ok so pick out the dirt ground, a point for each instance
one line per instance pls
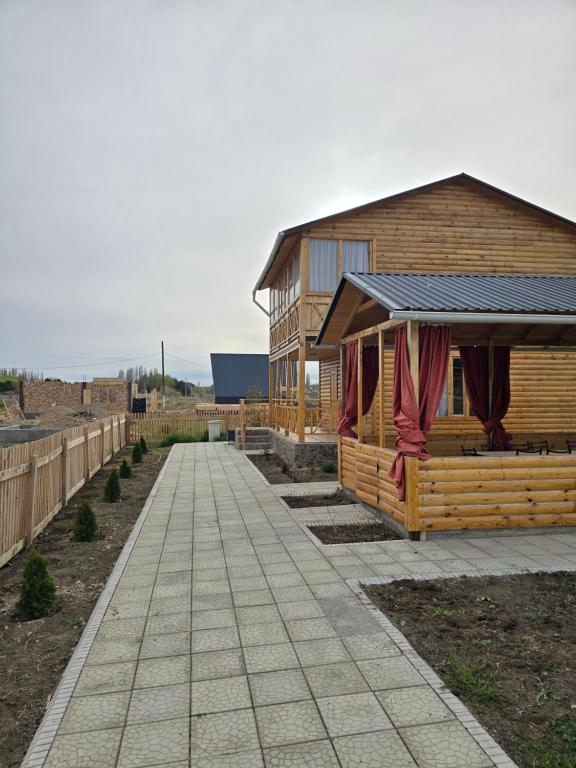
(336, 499)
(507, 647)
(353, 533)
(276, 471)
(34, 654)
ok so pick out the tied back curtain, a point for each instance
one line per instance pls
(349, 407)
(411, 419)
(476, 378)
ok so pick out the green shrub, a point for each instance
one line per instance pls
(180, 437)
(137, 454)
(112, 487)
(143, 445)
(38, 591)
(85, 526)
(329, 466)
(125, 470)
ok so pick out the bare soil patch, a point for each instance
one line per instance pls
(336, 499)
(507, 647)
(353, 533)
(33, 654)
(276, 471)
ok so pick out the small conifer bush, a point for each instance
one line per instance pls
(125, 470)
(85, 526)
(143, 445)
(137, 454)
(112, 487)
(38, 591)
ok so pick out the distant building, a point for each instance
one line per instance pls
(239, 376)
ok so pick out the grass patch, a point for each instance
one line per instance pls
(473, 681)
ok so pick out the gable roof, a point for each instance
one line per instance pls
(235, 374)
(285, 233)
(519, 295)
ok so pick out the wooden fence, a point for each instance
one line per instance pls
(38, 478)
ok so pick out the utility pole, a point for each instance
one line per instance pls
(163, 380)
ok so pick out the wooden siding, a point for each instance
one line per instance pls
(329, 389)
(464, 492)
(457, 227)
(499, 492)
(364, 470)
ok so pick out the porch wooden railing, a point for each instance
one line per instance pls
(464, 492)
(284, 416)
(38, 478)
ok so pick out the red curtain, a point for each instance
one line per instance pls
(412, 422)
(476, 377)
(349, 408)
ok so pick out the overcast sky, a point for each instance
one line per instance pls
(150, 150)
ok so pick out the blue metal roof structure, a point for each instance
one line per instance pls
(239, 376)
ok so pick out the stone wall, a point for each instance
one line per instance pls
(39, 396)
(303, 454)
(108, 394)
(111, 395)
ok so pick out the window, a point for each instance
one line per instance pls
(355, 256)
(286, 288)
(323, 265)
(453, 401)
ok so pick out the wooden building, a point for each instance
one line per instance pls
(459, 226)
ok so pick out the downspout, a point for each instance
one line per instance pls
(266, 312)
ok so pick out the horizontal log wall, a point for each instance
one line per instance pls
(38, 478)
(364, 470)
(497, 492)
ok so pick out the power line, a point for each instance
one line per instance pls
(83, 365)
(192, 362)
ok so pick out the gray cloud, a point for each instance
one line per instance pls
(151, 149)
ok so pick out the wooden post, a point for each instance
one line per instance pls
(31, 501)
(360, 426)
(301, 394)
(288, 393)
(270, 393)
(413, 337)
(243, 423)
(102, 446)
(381, 372)
(411, 470)
(86, 454)
(490, 387)
(64, 492)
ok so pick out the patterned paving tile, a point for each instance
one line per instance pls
(95, 713)
(414, 706)
(215, 639)
(382, 749)
(223, 732)
(309, 629)
(106, 678)
(95, 748)
(214, 664)
(267, 658)
(220, 695)
(312, 754)
(362, 647)
(355, 713)
(278, 687)
(168, 671)
(313, 652)
(301, 609)
(394, 672)
(335, 679)
(173, 622)
(289, 723)
(252, 759)
(154, 743)
(157, 646)
(263, 634)
(160, 703)
(444, 745)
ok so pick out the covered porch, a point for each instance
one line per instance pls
(466, 475)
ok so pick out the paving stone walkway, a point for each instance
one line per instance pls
(229, 638)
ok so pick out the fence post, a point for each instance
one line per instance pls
(64, 471)
(102, 439)
(86, 454)
(31, 501)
